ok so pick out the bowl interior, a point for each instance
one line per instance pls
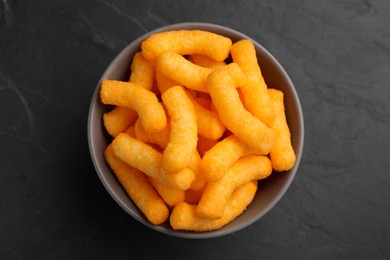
(270, 189)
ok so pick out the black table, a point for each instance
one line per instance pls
(52, 204)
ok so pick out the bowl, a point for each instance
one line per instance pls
(272, 188)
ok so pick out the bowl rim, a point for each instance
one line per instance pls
(188, 234)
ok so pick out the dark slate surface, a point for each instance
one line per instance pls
(52, 53)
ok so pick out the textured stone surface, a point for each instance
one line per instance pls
(52, 53)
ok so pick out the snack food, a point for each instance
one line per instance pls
(205, 61)
(254, 93)
(194, 165)
(232, 113)
(118, 120)
(221, 156)
(216, 194)
(194, 139)
(184, 72)
(164, 82)
(184, 217)
(282, 153)
(160, 138)
(146, 159)
(171, 196)
(208, 123)
(131, 95)
(186, 42)
(190, 75)
(183, 137)
(138, 188)
(142, 71)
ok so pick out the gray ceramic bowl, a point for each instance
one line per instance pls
(272, 189)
